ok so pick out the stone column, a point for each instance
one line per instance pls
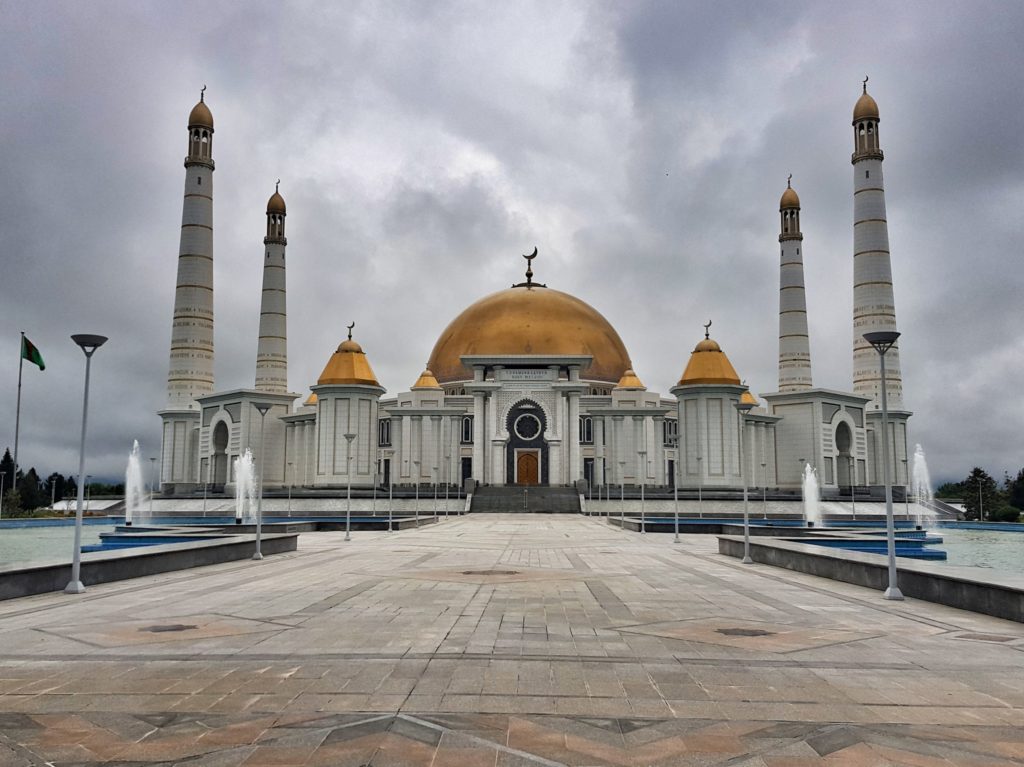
(478, 436)
(573, 437)
(601, 451)
(658, 445)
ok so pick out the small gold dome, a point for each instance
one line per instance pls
(709, 365)
(426, 381)
(866, 108)
(311, 399)
(749, 399)
(630, 380)
(200, 116)
(530, 320)
(276, 204)
(348, 366)
(789, 199)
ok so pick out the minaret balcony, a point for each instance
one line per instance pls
(867, 154)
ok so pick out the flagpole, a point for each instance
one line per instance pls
(17, 412)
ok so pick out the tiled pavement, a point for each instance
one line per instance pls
(504, 640)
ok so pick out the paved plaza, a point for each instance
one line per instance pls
(506, 641)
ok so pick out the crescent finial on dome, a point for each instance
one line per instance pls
(707, 330)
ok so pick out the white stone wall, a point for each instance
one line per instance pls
(272, 348)
(794, 341)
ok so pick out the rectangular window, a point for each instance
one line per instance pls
(669, 431)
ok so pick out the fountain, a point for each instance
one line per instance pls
(134, 488)
(812, 496)
(245, 489)
(922, 486)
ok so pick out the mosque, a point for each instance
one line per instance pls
(531, 385)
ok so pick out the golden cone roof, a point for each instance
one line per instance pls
(426, 381)
(630, 380)
(348, 365)
(200, 116)
(749, 399)
(530, 320)
(276, 203)
(311, 399)
(789, 199)
(865, 108)
(709, 365)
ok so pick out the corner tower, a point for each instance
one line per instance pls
(794, 342)
(874, 307)
(272, 349)
(190, 371)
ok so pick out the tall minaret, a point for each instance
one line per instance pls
(191, 367)
(794, 343)
(874, 307)
(272, 350)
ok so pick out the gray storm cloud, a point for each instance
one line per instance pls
(422, 147)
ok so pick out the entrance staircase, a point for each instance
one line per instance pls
(519, 500)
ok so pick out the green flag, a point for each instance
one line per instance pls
(31, 353)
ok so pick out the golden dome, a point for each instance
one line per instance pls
(200, 116)
(749, 399)
(426, 381)
(348, 365)
(789, 199)
(311, 399)
(276, 203)
(866, 108)
(709, 365)
(630, 380)
(530, 320)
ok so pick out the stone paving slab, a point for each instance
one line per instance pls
(503, 640)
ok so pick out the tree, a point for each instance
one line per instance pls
(30, 489)
(981, 495)
(12, 503)
(7, 466)
(950, 490)
(1015, 490)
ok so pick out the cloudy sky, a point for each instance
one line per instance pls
(422, 147)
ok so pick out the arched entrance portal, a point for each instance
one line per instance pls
(526, 454)
(845, 472)
(219, 475)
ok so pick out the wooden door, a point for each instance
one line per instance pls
(527, 468)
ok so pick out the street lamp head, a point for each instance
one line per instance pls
(350, 437)
(89, 342)
(882, 340)
(743, 407)
(262, 407)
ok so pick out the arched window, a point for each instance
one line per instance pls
(384, 432)
(467, 430)
(586, 430)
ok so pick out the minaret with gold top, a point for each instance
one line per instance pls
(874, 307)
(190, 371)
(191, 361)
(794, 342)
(272, 349)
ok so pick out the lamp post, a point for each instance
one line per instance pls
(883, 341)
(700, 487)
(3, 474)
(391, 492)
(376, 481)
(743, 408)
(416, 508)
(906, 491)
(291, 473)
(622, 493)
(262, 407)
(89, 344)
(153, 483)
(348, 492)
(674, 440)
(853, 487)
(434, 476)
(447, 481)
(643, 477)
(764, 490)
(88, 495)
(206, 484)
